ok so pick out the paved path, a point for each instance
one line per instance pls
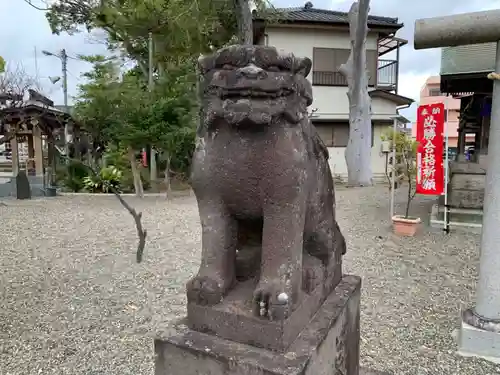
(73, 300)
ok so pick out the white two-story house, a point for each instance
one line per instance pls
(323, 36)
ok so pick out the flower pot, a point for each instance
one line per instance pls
(405, 226)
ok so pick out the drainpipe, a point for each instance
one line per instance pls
(397, 69)
(402, 107)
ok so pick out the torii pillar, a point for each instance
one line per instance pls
(480, 330)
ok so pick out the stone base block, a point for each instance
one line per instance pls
(328, 345)
(234, 318)
(475, 342)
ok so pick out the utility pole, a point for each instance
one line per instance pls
(63, 56)
(480, 330)
(64, 61)
(152, 162)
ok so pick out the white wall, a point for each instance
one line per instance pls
(332, 102)
(339, 166)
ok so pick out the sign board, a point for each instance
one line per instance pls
(430, 138)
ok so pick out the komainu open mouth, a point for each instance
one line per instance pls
(249, 93)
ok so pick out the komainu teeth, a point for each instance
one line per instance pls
(225, 94)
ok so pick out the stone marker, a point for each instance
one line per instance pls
(23, 188)
(269, 297)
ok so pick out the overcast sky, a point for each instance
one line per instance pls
(23, 41)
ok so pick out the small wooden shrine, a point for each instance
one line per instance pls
(38, 123)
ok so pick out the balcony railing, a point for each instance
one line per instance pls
(329, 79)
(386, 76)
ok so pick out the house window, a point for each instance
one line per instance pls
(327, 61)
(340, 135)
(335, 134)
(325, 131)
(435, 91)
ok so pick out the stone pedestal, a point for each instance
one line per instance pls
(327, 345)
(466, 187)
(479, 337)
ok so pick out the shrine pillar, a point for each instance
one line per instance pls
(15, 156)
(31, 152)
(38, 150)
(461, 145)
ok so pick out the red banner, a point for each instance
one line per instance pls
(430, 138)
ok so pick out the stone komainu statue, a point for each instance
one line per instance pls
(264, 188)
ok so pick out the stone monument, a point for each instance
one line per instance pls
(269, 296)
(23, 188)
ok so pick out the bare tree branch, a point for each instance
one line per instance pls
(30, 3)
(137, 216)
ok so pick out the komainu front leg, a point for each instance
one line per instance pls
(280, 281)
(216, 274)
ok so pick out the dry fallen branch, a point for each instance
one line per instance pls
(141, 232)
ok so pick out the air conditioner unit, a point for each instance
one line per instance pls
(386, 147)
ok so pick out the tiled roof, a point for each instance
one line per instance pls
(309, 14)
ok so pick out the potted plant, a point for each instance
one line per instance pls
(405, 169)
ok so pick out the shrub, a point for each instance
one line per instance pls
(72, 176)
(107, 179)
(127, 181)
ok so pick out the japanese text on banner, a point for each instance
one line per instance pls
(430, 126)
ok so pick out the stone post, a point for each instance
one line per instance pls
(480, 331)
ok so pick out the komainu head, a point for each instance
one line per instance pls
(254, 86)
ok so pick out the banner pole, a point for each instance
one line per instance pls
(393, 164)
(446, 165)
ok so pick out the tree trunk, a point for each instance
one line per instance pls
(139, 191)
(245, 22)
(168, 185)
(152, 166)
(358, 151)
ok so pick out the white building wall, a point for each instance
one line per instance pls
(339, 166)
(332, 102)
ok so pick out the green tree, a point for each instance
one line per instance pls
(120, 111)
(405, 165)
(93, 108)
(180, 28)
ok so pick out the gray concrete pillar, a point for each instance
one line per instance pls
(488, 293)
(480, 333)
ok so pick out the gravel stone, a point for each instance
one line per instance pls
(73, 300)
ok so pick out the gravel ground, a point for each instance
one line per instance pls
(73, 300)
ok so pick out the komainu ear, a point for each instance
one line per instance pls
(304, 66)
